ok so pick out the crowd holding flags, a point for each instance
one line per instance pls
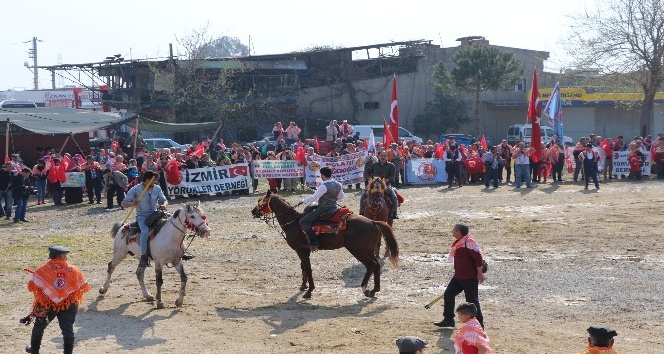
(534, 114)
(554, 111)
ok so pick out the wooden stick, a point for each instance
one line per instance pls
(135, 138)
(131, 210)
(434, 301)
(7, 141)
(64, 144)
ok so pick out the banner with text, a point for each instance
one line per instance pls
(74, 179)
(346, 169)
(277, 169)
(621, 164)
(211, 180)
(425, 171)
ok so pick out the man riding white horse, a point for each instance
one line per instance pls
(152, 199)
(327, 194)
(386, 170)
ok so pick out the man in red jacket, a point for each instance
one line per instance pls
(467, 259)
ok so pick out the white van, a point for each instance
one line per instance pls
(523, 132)
(365, 131)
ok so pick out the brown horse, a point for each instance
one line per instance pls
(360, 239)
(376, 205)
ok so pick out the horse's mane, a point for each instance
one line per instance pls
(284, 203)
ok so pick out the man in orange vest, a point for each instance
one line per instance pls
(58, 288)
(600, 341)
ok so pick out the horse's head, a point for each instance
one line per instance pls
(377, 185)
(263, 207)
(195, 220)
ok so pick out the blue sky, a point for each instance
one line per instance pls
(82, 32)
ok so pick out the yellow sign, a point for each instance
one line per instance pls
(580, 94)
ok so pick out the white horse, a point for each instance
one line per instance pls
(166, 247)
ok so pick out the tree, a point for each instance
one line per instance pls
(226, 46)
(481, 67)
(447, 112)
(624, 38)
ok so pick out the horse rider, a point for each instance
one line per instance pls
(327, 194)
(385, 169)
(152, 199)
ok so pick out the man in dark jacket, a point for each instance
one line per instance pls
(385, 169)
(21, 192)
(94, 175)
(6, 190)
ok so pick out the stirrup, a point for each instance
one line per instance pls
(186, 256)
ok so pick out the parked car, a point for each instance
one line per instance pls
(463, 139)
(11, 103)
(160, 143)
(365, 131)
(523, 132)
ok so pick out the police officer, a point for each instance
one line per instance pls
(327, 194)
(58, 288)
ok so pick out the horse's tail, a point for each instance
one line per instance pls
(114, 230)
(390, 242)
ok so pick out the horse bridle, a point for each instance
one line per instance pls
(176, 215)
(376, 207)
(266, 211)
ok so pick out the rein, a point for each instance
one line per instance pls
(176, 216)
(267, 218)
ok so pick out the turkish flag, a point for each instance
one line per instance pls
(7, 159)
(483, 143)
(316, 144)
(299, 155)
(534, 114)
(394, 111)
(238, 171)
(115, 146)
(198, 152)
(172, 170)
(440, 151)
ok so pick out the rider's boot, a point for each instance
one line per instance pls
(144, 262)
(186, 256)
(313, 239)
(394, 213)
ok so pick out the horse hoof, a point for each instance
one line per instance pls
(307, 295)
(369, 293)
(178, 303)
(160, 305)
(303, 288)
(149, 298)
(102, 291)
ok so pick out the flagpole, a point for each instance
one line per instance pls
(135, 137)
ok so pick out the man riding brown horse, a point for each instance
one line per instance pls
(386, 170)
(327, 194)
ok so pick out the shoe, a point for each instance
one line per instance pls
(586, 187)
(313, 239)
(7, 217)
(91, 202)
(99, 202)
(28, 349)
(394, 216)
(24, 220)
(186, 256)
(16, 220)
(122, 208)
(596, 187)
(445, 323)
(144, 262)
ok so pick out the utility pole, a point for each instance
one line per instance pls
(32, 53)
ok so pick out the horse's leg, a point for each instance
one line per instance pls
(120, 252)
(376, 272)
(366, 257)
(158, 270)
(183, 284)
(303, 287)
(140, 274)
(305, 264)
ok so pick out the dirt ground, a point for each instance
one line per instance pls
(561, 259)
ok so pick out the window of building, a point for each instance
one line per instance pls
(520, 86)
(372, 105)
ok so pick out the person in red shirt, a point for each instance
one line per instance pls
(468, 264)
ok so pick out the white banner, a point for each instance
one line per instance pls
(278, 169)
(74, 179)
(621, 165)
(210, 180)
(425, 171)
(346, 169)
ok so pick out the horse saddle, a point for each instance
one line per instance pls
(333, 222)
(131, 232)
